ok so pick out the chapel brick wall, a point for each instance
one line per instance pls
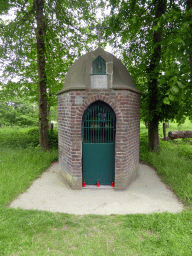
(126, 105)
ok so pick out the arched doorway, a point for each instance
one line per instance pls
(98, 132)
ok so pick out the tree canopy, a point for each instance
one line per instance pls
(134, 22)
(155, 42)
(65, 38)
(43, 38)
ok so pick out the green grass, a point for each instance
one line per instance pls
(19, 167)
(43, 233)
(27, 232)
(17, 137)
(173, 162)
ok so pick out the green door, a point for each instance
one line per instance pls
(98, 129)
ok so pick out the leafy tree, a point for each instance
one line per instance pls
(18, 112)
(44, 37)
(155, 45)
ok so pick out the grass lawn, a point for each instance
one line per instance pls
(27, 232)
(173, 162)
(43, 233)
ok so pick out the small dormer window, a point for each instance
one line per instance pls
(99, 66)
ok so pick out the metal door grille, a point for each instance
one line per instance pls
(99, 124)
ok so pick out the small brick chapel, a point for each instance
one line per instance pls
(98, 123)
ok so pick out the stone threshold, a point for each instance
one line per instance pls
(100, 187)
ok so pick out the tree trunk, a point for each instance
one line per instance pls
(40, 32)
(164, 131)
(180, 134)
(153, 70)
(49, 113)
(153, 135)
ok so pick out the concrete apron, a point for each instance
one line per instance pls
(147, 194)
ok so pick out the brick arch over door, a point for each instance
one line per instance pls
(88, 102)
(105, 99)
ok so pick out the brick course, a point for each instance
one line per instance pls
(126, 105)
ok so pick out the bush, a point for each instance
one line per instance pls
(34, 131)
(53, 139)
(53, 136)
(26, 138)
